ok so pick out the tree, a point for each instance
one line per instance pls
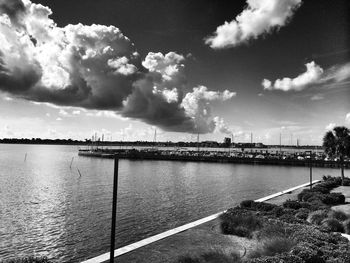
(336, 143)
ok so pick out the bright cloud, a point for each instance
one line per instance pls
(347, 118)
(330, 126)
(312, 75)
(258, 18)
(221, 126)
(96, 67)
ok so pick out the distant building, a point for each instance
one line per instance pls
(227, 141)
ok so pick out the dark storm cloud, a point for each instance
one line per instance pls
(13, 9)
(97, 67)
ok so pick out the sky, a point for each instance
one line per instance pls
(70, 69)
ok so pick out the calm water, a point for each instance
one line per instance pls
(47, 209)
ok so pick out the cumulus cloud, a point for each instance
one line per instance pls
(221, 126)
(330, 126)
(317, 97)
(96, 67)
(347, 118)
(314, 74)
(258, 18)
(337, 73)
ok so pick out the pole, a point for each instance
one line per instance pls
(280, 142)
(71, 162)
(310, 175)
(114, 209)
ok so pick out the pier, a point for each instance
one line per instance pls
(306, 158)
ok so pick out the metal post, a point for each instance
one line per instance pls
(310, 176)
(114, 209)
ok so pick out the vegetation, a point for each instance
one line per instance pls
(215, 256)
(239, 224)
(336, 144)
(299, 231)
(273, 246)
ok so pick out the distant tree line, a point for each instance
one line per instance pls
(209, 144)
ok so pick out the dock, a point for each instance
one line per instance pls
(256, 158)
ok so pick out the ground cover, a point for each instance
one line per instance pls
(302, 230)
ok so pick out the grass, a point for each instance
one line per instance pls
(333, 225)
(273, 246)
(316, 217)
(240, 225)
(215, 256)
(299, 231)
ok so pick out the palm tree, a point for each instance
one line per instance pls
(336, 143)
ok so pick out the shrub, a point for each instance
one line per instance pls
(291, 219)
(334, 199)
(346, 181)
(317, 205)
(302, 215)
(307, 194)
(308, 253)
(316, 217)
(273, 246)
(272, 230)
(240, 225)
(277, 211)
(265, 207)
(216, 256)
(321, 188)
(346, 225)
(292, 204)
(247, 204)
(305, 205)
(339, 215)
(332, 225)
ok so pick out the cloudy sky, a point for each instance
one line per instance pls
(124, 68)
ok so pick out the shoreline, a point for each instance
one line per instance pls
(167, 234)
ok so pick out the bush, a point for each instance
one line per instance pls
(305, 205)
(278, 211)
(307, 194)
(272, 230)
(346, 225)
(264, 207)
(273, 246)
(28, 260)
(292, 204)
(339, 215)
(247, 204)
(308, 253)
(321, 188)
(239, 225)
(302, 215)
(291, 219)
(334, 199)
(346, 181)
(316, 217)
(332, 225)
(216, 256)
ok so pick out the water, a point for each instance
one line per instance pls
(47, 209)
